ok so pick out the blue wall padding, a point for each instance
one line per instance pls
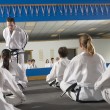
(38, 71)
(41, 71)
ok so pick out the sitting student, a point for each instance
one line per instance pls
(33, 65)
(28, 64)
(47, 64)
(57, 59)
(56, 74)
(103, 84)
(52, 62)
(82, 73)
(7, 81)
(14, 69)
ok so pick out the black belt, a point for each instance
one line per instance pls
(16, 52)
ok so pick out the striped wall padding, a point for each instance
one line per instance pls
(40, 73)
(37, 73)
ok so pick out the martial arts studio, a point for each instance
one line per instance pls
(48, 27)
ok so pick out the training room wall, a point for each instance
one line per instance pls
(46, 47)
(102, 46)
(42, 50)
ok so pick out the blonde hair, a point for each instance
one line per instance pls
(86, 41)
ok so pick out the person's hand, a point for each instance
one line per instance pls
(23, 98)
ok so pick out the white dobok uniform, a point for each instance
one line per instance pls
(103, 84)
(18, 74)
(83, 70)
(17, 40)
(7, 81)
(58, 70)
(27, 66)
(47, 65)
(33, 66)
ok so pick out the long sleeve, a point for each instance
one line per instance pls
(52, 75)
(104, 79)
(11, 84)
(19, 72)
(24, 39)
(1, 80)
(73, 71)
(4, 34)
(60, 71)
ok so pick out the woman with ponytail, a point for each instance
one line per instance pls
(9, 80)
(6, 55)
(82, 73)
(14, 69)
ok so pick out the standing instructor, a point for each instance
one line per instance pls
(15, 38)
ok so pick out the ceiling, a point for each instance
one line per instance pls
(53, 30)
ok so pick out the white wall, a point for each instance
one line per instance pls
(102, 46)
(47, 46)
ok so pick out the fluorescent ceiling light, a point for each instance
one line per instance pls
(106, 37)
(81, 34)
(20, 23)
(100, 33)
(60, 30)
(69, 23)
(108, 34)
(30, 23)
(91, 29)
(28, 31)
(106, 22)
(54, 35)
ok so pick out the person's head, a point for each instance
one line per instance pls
(32, 61)
(52, 60)
(85, 41)
(63, 52)
(6, 55)
(29, 62)
(57, 58)
(47, 61)
(10, 23)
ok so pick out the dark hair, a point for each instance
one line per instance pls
(6, 55)
(32, 60)
(52, 58)
(57, 58)
(29, 60)
(9, 19)
(63, 52)
(47, 61)
(86, 41)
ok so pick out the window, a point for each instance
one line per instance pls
(27, 55)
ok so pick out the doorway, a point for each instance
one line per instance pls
(71, 53)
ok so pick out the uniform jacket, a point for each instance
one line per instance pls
(85, 70)
(58, 70)
(17, 40)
